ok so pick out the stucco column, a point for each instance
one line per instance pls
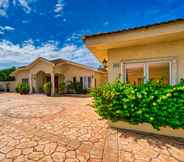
(93, 81)
(30, 84)
(173, 72)
(53, 84)
(122, 72)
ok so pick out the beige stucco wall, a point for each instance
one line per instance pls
(36, 68)
(19, 75)
(71, 71)
(41, 66)
(23, 74)
(151, 51)
(100, 78)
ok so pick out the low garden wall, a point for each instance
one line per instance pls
(153, 107)
(144, 127)
(6, 86)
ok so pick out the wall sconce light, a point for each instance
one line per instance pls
(104, 62)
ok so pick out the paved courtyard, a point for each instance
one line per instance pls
(66, 129)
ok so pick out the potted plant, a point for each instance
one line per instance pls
(47, 88)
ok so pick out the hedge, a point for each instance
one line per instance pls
(153, 102)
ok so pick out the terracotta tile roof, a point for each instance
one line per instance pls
(134, 28)
(21, 67)
(57, 61)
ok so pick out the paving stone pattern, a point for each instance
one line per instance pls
(37, 128)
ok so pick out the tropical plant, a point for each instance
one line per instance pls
(17, 88)
(78, 87)
(47, 88)
(61, 87)
(22, 88)
(74, 87)
(70, 87)
(182, 81)
(154, 102)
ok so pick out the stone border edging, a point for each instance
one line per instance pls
(147, 128)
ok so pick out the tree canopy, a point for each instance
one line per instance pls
(5, 74)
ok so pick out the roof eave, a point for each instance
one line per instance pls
(85, 37)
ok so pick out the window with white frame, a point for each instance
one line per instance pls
(138, 73)
(85, 82)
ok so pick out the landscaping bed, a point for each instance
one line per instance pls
(153, 107)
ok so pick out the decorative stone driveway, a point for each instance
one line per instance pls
(66, 129)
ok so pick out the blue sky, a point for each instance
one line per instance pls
(53, 28)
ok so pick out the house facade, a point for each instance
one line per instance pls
(144, 53)
(42, 70)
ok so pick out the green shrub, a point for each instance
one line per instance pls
(17, 89)
(62, 87)
(78, 87)
(181, 82)
(74, 87)
(86, 91)
(47, 88)
(153, 102)
(40, 89)
(22, 88)
(70, 87)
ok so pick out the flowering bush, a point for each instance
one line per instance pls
(153, 102)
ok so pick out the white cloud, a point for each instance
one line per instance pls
(1, 33)
(8, 28)
(18, 55)
(76, 36)
(4, 29)
(59, 7)
(4, 4)
(24, 4)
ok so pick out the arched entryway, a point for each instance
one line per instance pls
(41, 79)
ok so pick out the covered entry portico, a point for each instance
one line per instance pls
(37, 81)
(42, 71)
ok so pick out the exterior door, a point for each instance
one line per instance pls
(56, 80)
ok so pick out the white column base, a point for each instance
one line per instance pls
(53, 85)
(30, 84)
